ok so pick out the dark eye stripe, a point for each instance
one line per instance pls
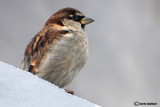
(76, 18)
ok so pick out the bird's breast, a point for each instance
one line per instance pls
(66, 58)
(72, 49)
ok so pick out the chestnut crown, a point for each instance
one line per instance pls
(68, 13)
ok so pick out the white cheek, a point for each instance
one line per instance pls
(64, 28)
(70, 35)
(72, 25)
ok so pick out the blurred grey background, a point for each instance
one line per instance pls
(124, 59)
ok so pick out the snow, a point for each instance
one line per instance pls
(19, 88)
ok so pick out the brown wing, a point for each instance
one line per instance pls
(37, 48)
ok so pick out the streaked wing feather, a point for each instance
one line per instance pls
(37, 48)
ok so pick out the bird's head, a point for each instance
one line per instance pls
(70, 18)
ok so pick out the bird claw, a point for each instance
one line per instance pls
(69, 91)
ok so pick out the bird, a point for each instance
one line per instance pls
(60, 50)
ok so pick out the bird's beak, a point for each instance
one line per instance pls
(86, 20)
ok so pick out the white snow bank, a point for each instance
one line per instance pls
(19, 88)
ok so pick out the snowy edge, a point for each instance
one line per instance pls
(19, 88)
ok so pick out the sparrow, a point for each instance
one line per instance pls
(60, 50)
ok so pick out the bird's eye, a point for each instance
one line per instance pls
(75, 17)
